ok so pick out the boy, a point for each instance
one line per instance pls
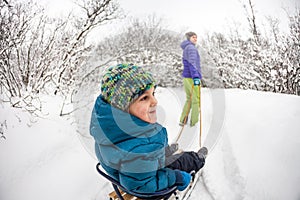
(129, 144)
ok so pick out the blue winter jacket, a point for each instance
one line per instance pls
(191, 60)
(130, 150)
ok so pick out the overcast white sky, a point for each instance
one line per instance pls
(201, 15)
(196, 15)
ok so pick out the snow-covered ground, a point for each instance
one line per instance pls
(253, 138)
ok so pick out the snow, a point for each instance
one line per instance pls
(253, 138)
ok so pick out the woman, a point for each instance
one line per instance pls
(191, 79)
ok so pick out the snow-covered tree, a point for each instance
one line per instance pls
(147, 43)
(45, 55)
(266, 63)
(26, 56)
(291, 55)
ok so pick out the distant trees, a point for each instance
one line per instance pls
(266, 63)
(39, 54)
(147, 43)
(291, 55)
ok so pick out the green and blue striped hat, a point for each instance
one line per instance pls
(124, 83)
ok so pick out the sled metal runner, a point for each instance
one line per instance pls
(121, 193)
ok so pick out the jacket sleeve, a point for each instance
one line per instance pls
(146, 172)
(193, 59)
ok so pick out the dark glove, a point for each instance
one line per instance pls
(197, 81)
(183, 180)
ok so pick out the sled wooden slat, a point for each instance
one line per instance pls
(114, 196)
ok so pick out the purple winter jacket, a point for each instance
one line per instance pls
(191, 60)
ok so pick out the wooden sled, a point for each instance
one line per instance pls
(120, 193)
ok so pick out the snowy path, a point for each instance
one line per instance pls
(201, 191)
(46, 160)
(189, 141)
(211, 132)
(221, 165)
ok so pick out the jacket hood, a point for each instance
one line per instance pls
(185, 43)
(110, 125)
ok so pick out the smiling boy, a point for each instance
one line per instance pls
(129, 144)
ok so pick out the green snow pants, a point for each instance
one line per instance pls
(194, 104)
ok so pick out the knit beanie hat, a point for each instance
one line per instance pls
(188, 35)
(124, 83)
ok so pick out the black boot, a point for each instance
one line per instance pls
(203, 151)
